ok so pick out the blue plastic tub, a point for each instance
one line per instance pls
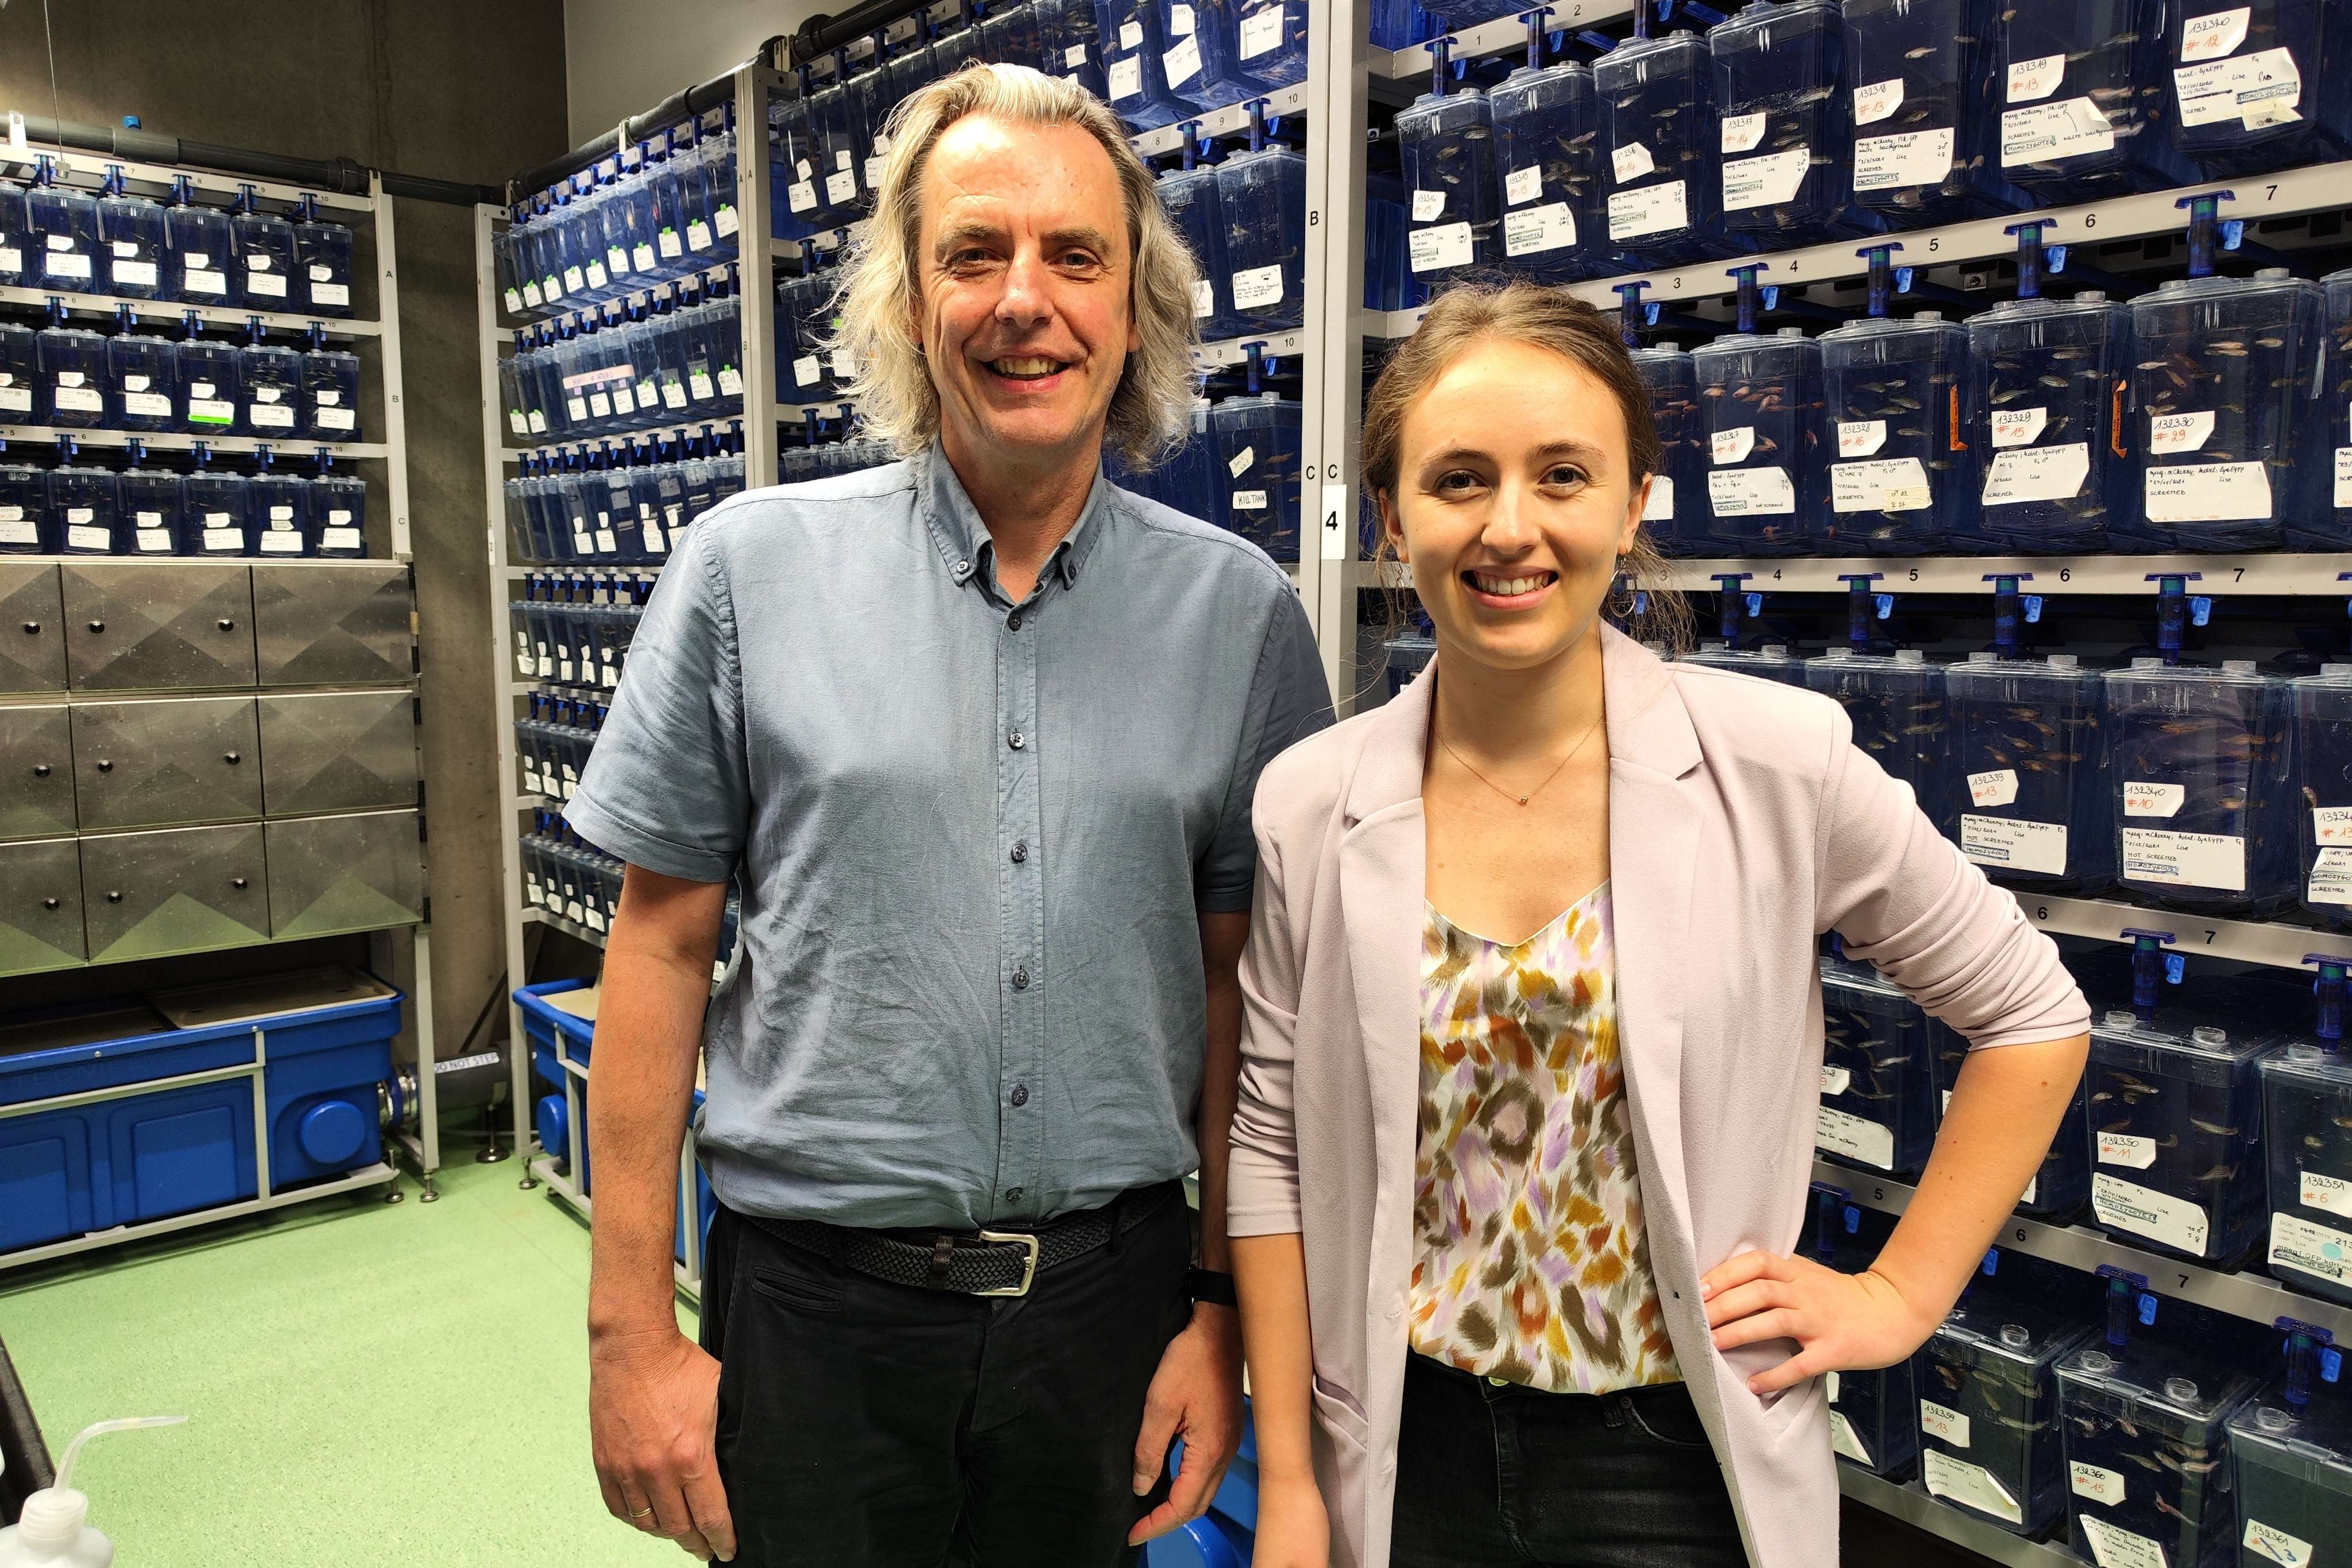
(542, 1021)
(151, 1155)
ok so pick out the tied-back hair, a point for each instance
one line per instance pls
(880, 292)
(1541, 317)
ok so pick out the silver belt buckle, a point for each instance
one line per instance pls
(1028, 1272)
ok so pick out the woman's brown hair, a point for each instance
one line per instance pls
(1541, 317)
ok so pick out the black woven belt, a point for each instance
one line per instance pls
(982, 1263)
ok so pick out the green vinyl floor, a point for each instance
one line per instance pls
(367, 1383)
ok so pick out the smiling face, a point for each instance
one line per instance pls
(1024, 309)
(1514, 499)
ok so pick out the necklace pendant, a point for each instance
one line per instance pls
(1523, 800)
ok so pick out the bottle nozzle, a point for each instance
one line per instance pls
(55, 1515)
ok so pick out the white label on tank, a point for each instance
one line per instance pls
(68, 264)
(2014, 842)
(2071, 128)
(2037, 473)
(874, 167)
(2095, 1482)
(1765, 181)
(1442, 245)
(2268, 1540)
(1182, 63)
(841, 158)
(339, 513)
(1733, 446)
(1835, 1080)
(1260, 33)
(148, 404)
(272, 415)
(1660, 507)
(607, 541)
(2261, 89)
(210, 411)
(1900, 163)
(1742, 132)
(1257, 286)
(1940, 1421)
(270, 283)
(1632, 162)
(1076, 54)
(1843, 1441)
(11, 258)
(2126, 1149)
(80, 399)
(1523, 184)
(225, 538)
(1751, 493)
(2329, 880)
(801, 197)
(1249, 500)
(1131, 34)
(1242, 460)
(281, 517)
(2128, 1205)
(278, 541)
(81, 537)
(2018, 426)
(1966, 1483)
(1877, 100)
(573, 281)
(2209, 38)
(1851, 1136)
(330, 294)
(1179, 20)
(15, 399)
(1126, 76)
(641, 257)
(2332, 1194)
(337, 419)
(139, 274)
(531, 294)
(2180, 432)
(1861, 437)
(1653, 209)
(731, 382)
(1204, 298)
(2344, 476)
(2029, 81)
(1428, 206)
(1535, 230)
(155, 540)
(840, 188)
(14, 531)
(698, 382)
(146, 521)
(1886, 485)
(2185, 860)
(2207, 493)
(328, 397)
(597, 277)
(201, 282)
(1994, 787)
(2320, 1250)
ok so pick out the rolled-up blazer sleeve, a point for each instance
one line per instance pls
(1905, 899)
(1262, 1176)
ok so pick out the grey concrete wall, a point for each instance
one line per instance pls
(621, 56)
(452, 89)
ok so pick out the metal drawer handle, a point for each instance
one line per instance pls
(113, 898)
(104, 766)
(40, 771)
(237, 881)
(231, 757)
(32, 627)
(227, 624)
(98, 625)
(48, 904)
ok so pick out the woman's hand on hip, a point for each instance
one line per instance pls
(1293, 1530)
(1840, 1322)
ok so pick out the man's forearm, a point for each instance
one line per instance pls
(655, 984)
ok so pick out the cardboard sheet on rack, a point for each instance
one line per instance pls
(581, 1004)
(267, 996)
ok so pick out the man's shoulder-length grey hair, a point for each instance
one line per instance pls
(1151, 411)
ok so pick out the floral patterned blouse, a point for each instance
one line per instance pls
(1531, 1264)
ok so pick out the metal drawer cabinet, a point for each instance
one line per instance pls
(181, 891)
(344, 874)
(333, 625)
(40, 906)
(36, 779)
(32, 629)
(132, 626)
(338, 751)
(162, 763)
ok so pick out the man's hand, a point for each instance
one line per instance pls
(1293, 1529)
(653, 1423)
(1842, 1321)
(1196, 1394)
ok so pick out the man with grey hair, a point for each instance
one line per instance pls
(978, 732)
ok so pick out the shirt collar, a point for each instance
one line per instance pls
(962, 536)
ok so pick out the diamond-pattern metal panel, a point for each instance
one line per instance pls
(338, 751)
(133, 626)
(162, 763)
(40, 906)
(332, 625)
(32, 629)
(184, 890)
(345, 874)
(36, 784)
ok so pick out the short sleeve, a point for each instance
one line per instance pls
(1289, 700)
(667, 786)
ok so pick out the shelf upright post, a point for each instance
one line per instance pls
(493, 337)
(754, 250)
(395, 410)
(1338, 67)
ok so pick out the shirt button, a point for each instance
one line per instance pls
(1014, 620)
(1020, 980)
(1021, 1094)
(1013, 1194)
(1021, 852)
(1016, 740)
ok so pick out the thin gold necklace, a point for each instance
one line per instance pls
(1548, 778)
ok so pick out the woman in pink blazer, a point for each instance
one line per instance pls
(1534, 1032)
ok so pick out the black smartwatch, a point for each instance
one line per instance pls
(1208, 1285)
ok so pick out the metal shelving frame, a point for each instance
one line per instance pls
(400, 954)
